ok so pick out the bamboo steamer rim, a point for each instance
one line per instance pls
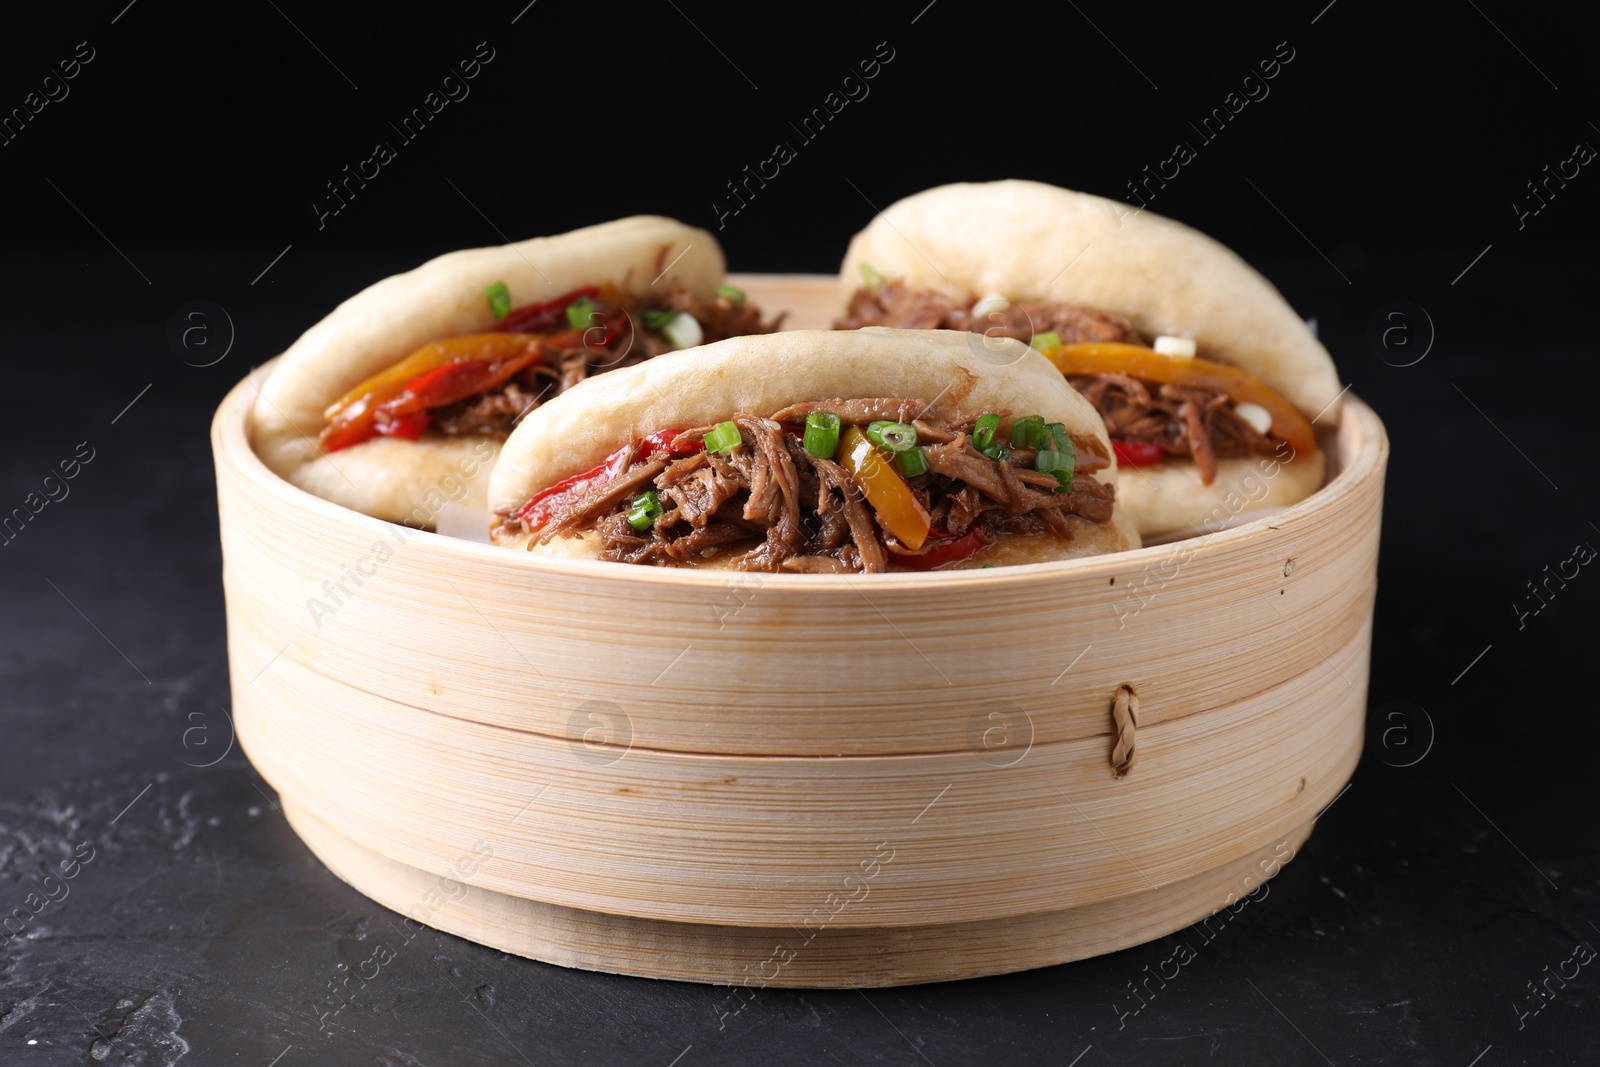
(230, 441)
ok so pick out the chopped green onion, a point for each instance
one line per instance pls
(1054, 436)
(822, 434)
(1058, 463)
(683, 331)
(983, 431)
(732, 292)
(578, 313)
(995, 451)
(1048, 339)
(1025, 432)
(911, 462)
(870, 276)
(499, 300)
(645, 510)
(657, 318)
(895, 436)
(725, 438)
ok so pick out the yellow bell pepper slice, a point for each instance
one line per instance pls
(884, 488)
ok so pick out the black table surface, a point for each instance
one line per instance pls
(1441, 913)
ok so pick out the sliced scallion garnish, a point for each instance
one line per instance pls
(732, 292)
(870, 276)
(983, 431)
(725, 438)
(995, 451)
(822, 434)
(658, 317)
(1048, 339)
(1054, 436)
(1025, 432)
(499, 300)
(894, 436)
(645, 510)
(911, 462)
(683, 331)
(1059, 464)
(578, 313)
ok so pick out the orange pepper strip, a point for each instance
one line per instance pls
(1136, 361)
(884, 489)
(391, 382)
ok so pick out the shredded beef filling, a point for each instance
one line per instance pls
(1199, 424)
(1181, 420)
(496, 412)
(896, 304)
(783, 509)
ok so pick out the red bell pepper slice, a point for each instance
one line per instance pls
(575, 338)
(946, 550)
(1138, 453)
(536, 318)
(546, 503)
(667, 441)
(409, 427)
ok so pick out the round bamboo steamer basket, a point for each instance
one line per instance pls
(911, 777)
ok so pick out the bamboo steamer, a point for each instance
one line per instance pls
(894, 778)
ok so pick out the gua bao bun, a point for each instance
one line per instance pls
(706, 458)
(1044, 264)
(406, 390)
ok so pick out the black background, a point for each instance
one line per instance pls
(1383, 166)
(1393, 124)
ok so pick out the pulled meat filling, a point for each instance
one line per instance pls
(897, 305)
(495, 413)
(783, 509)
(1198, 424)
(1181, 420)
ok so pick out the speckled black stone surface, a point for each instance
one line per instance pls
(1412, 928)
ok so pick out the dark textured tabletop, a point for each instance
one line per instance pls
(1441, 913)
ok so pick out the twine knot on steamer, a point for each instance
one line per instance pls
(1124, 724)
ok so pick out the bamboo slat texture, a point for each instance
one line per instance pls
(815, 954)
